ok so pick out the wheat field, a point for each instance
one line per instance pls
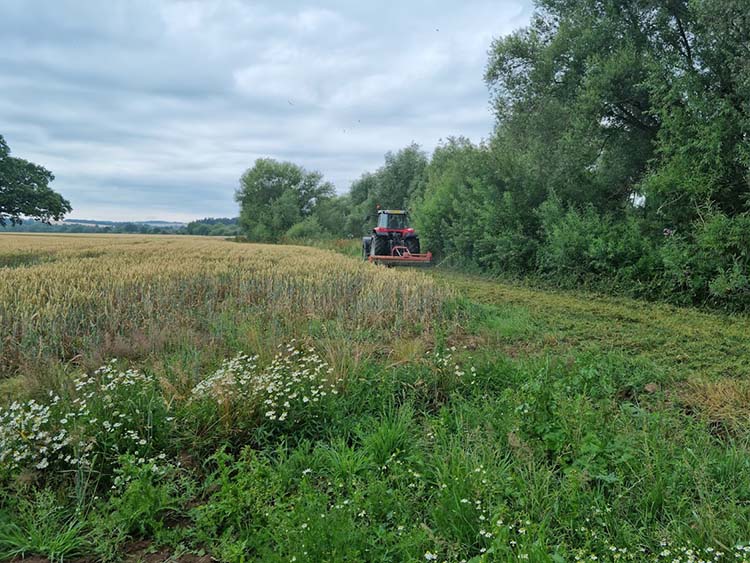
(66, 298)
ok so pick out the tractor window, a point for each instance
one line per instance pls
(392, 221)
(397, 221)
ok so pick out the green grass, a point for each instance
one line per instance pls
(685, 342)
(528, 425)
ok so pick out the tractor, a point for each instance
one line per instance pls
(394, 242)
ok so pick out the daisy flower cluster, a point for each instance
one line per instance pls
(669, 554)
(448, 366)
(445, 360)
(118, 410)
(294, 382)
(226, 384)
(109, 412)
(31, 435)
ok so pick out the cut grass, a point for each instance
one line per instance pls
(699, 358)
(682, 341)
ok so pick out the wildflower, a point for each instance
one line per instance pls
(429, 556)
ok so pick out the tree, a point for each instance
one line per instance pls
(701, 91)
(331, 214)
(273, 196)
(603, 101)
(363, 195)
(25, 191)
(397, 183)
(402, 176)
(572, 101)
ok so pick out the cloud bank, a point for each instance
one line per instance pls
(147, 110)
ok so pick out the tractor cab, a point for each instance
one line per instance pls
(392, 220)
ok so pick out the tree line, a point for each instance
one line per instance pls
(25, 193)
(620, 159)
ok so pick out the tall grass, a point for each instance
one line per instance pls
(95, 291)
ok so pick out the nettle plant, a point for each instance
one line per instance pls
(295, 387)
(109, 413)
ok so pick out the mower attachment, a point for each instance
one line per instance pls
(400, 256)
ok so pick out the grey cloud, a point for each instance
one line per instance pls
(147, 109)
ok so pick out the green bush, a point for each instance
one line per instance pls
(584, 247)
(307, 229)
(712, 266)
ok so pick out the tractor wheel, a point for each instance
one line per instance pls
(380, 246)
(366, 242)
(412, 245)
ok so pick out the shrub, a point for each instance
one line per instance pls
(586, 247)
(308, 229)
(712, 266)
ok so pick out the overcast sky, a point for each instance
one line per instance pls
(153, 109)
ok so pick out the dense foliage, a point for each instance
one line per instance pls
(275, 197)
(210, 226)
(625, 125)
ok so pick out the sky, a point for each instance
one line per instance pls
(147, 109)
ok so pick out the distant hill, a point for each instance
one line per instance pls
(208, 226)
(98, 223)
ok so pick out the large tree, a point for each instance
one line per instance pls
(604, 100)
(274, 196)
(25, 191)
(570, 94)
(701, 92)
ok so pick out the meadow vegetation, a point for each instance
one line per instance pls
(193, 398)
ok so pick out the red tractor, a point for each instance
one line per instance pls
(393, 242)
